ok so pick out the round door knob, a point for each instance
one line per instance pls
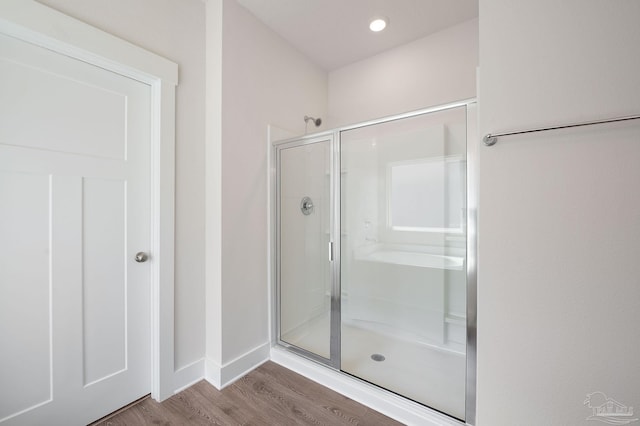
(141, 257)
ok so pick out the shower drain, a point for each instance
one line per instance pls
(377, 357)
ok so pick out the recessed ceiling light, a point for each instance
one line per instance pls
(378, 24)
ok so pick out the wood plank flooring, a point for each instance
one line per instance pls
(269, 395)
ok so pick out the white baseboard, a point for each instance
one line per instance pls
(188, 375)
(222, 376)
(212, 372)
(400, 409)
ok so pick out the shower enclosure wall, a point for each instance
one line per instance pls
(375, 253)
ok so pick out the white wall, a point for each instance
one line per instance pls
(174, 29)
(263, 81)
(433, 70)
(559, 222)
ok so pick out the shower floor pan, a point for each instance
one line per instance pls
(423, 373)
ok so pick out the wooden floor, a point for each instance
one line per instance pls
(269, 395)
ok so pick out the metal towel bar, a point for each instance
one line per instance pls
(491, 139)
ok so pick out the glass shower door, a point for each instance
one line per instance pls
(403, 257)
(304, 224)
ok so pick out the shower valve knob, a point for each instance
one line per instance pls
(306, 206)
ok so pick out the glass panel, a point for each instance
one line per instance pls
(305, 275)
(417, 199)
(403, 257)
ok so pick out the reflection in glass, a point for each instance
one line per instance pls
(427, 194)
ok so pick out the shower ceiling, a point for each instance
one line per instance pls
(334, 33)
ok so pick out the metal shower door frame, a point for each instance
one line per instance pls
(333, 250)
(334, 136)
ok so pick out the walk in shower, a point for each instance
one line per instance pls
(375, 253)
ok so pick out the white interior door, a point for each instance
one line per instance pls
(74, 210)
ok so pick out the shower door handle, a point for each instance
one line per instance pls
(330, 251)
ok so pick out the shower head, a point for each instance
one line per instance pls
(316, 121)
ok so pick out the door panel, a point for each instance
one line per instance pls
(403, 257)
(104, 279)
(24, 263)
(99, 109)
(304, 234)
(74, 185)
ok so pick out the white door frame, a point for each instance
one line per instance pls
(40, 25)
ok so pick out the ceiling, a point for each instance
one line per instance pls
(334, 33)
